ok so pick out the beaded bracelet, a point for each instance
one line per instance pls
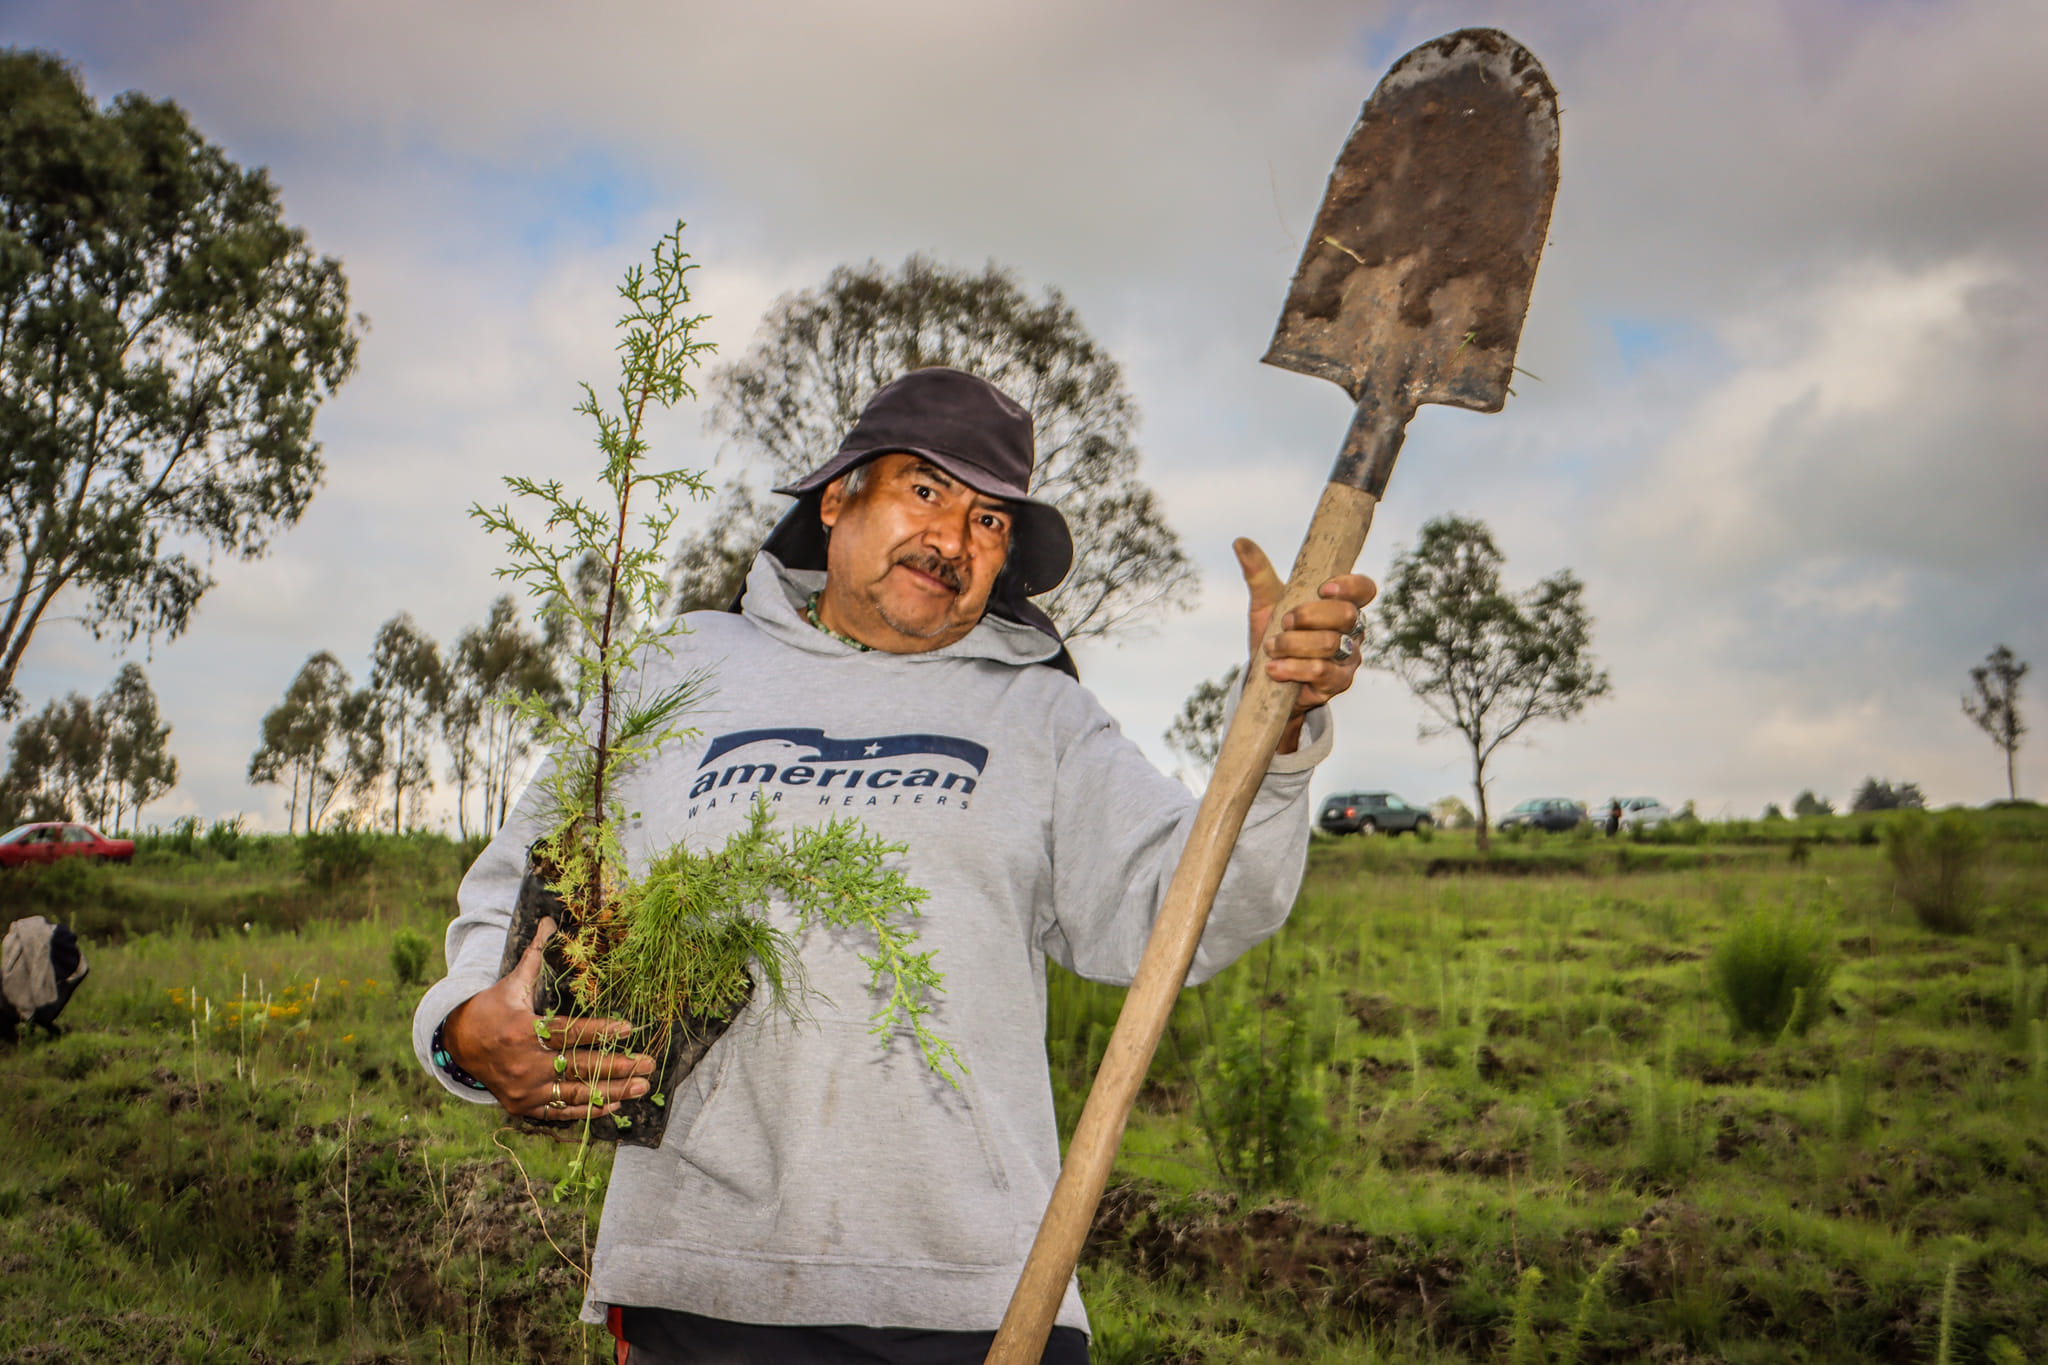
(447, 1063)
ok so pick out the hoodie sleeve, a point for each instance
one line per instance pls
(1119, 825)
(476, 937)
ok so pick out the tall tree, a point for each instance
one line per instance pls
(303, 740)
(1995, 706)
(410, 685)
(1197, 732)
(165, 340)
(47, 763)
(139, 766)
(366, 754)
(487, 739)
(1482, 660)
(1807, 806)
(1881, 794)
(823, 352)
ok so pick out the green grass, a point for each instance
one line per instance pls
(1525, 1063)
(231, 1155)
(1447, 1072)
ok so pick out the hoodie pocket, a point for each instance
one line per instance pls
(816, 1143)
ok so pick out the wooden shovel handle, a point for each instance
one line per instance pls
(1334, 539)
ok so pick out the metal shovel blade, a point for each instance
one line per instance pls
(1416, 276)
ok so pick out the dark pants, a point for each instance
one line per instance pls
(661, 1336)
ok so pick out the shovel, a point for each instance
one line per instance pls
(1411, 290)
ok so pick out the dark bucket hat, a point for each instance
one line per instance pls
(967, 427)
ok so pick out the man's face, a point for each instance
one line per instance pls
(912, 557)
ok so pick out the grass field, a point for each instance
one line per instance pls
(1461, 1109)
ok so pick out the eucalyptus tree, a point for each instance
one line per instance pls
(1197, 732)
(165, 341)
(488, 740)
(1995, 707)
(409, 687)
(1483, 661)
(823, 352)
(93, 760)
(304, 742)
(139, 766)
(54, 761)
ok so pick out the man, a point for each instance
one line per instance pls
(820, 1195)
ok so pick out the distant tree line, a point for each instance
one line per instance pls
(329, 741)
(100, 760)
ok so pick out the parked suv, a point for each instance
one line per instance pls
(1544, 812)
(1642, 812)
(1372, 813)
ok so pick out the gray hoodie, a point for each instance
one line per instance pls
(813, 1172)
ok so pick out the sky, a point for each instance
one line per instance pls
(1791, 328)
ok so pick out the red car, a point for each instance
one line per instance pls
(47, 842)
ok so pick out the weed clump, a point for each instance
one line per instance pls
(410, 952)
(340, 853)
(224, 839)
(1771, 975)
(65, 884)
(1938, 868)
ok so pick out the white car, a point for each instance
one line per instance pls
(1640, 812)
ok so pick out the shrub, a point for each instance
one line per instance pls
(1876, 794)
(224, 838)
(1270, 1128)
(1771, 975)
(1938, 868)
(183, 838)
(66, 883)
(410, 952)
(1806, 805)
(336, 854)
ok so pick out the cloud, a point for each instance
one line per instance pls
(1790, 327)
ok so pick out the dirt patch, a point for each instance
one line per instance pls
(1986, 1008)
(1730, 1073)
(1378, 1015)
(1598, 1118)
(1654, 992)
(1920, 1068)
(1422, 1154)
(1275, 1252)
(1657, 955)
(1495, 1066)
(1372, 1070)
(1509, 1024)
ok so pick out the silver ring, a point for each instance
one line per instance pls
(1347, 646)
(1358, 626)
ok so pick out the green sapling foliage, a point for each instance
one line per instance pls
(614, 724)
(681, 940)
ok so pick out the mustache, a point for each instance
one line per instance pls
(939, 567)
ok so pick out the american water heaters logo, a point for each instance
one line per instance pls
(882, 770)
